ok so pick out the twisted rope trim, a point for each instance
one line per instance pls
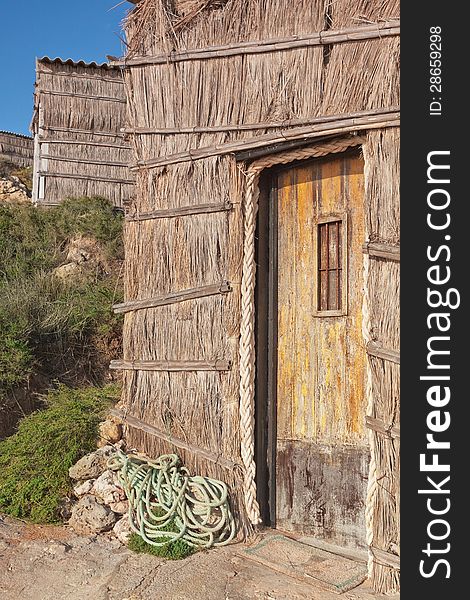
(247, 326)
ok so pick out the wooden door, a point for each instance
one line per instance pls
(320, 447)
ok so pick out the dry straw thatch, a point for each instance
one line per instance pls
(79, 148)
(16, 149)
(227, 90)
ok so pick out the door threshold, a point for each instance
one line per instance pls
(356, 554)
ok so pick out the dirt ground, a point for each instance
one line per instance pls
(53, 563)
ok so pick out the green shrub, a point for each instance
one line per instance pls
(57, 328)
(34, 462)
(171, 550)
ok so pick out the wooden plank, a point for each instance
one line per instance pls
(84, 161)
(332, 36)
(385, 558)
(381, 250)
(171, 365)
(84, 143)
(190, 294)
(375, 349)
(86, 177)
(244, 126)
(392, 431)
(84, 96)
(181, 211)
(344, 124)
(171, 439)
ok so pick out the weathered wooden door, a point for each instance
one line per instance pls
(321, 452)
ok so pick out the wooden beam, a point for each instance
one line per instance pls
(84, 143)
(85, 96)
(391, 431)
(322, 38)
(86, 177)
(385, 558)
(247, 126)
(170, 365)
(173, 298)
(381, 250)
(171, 439)
(87, 76)
(84, 161)
(375, 349)
(82, 131)
(195, 209)
(343, 124)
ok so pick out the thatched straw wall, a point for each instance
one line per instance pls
(172, 254)
(16, 149)
(80, 109)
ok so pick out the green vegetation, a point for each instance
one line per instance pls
(171, 550)
(34, 462)
(58, 328)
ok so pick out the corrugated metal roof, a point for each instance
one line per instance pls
(19, 135)
(74, 63)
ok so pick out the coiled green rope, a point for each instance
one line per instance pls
(167, 504)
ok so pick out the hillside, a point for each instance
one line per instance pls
(59, 276)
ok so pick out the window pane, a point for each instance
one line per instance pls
(333, 290)
(322, 246)
(323, 284)
(333, 245)
(330, 250)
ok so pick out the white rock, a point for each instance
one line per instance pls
(89, 516)
(91, 465)
(84, 488)
(107, 488)
(120, 508)
(122, 530)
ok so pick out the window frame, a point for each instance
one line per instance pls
(321, 220)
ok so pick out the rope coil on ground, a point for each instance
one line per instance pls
(166, 504)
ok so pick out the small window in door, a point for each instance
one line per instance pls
(331, 280)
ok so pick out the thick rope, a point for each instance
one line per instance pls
(167, 504)
(372, 479)
(247, 326)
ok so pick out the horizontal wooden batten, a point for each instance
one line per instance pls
(81, 131)
(321, 38)
(190, 294)
(70, 75)
(385, 558)
(171, 365)
(86, 177)
(375, 349)
(84, 96)
(381, 250)
(341, 125)
(181, 211)
(171, 439)
(84, 143)
(84, 161)
(245, 126)
(392, 431)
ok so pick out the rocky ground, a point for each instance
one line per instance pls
(54, 563)
(13, 190)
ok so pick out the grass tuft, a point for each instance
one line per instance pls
(172, 550)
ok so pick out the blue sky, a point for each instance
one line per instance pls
(79, 29)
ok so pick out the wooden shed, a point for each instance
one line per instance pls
(79, 149)
(261, 330)
(16, 149)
